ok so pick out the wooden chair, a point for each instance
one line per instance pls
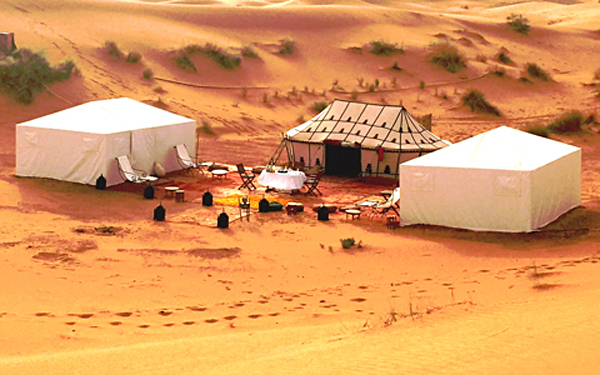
(244, 203)
(129, 174)
(246, 177)
(312, 183)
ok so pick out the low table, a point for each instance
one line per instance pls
(219, 173)
(355, 214)
(170, 191)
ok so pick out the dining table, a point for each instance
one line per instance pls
(282, 180)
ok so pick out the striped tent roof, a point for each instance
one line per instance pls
(369, 125)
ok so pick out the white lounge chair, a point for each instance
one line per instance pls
(129, 174)
(390, 204)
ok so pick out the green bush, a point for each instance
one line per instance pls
(249, 52)
(287, 47)
(185, 63)
(347, 242)
(224, 59)
(476, 101)
(535, 71)
(448, 57)
(133, 57)
(504, 59)
(112, 50)
(518, 23)
(25, 73)
(382, 48)
(498, 72)
(568, 122)
(540, 130)
(319, 106)
(148, 74)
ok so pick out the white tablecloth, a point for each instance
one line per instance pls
(292, 180)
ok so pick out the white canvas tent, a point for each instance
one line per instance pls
(348, 138)
(503, 180)
(81, 143)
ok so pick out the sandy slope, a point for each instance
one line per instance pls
(278, 294)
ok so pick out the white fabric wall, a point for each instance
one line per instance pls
(476, 199)
(81, 157)
(558, 187)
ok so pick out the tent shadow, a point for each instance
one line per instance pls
(575, 226)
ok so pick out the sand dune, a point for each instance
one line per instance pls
(92, 285)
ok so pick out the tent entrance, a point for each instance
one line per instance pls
(342, 161)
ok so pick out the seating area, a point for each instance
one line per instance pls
(274, 181)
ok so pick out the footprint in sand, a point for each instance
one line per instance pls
(197, 308)
(82, 316)
(70, 323)
(125, 314)
(144, 326)
(358, 299)
(211, 321)
(165, 313)
(41, 314)
(189, 322)
(254, 316)
(168, 324)
(116, 323)
(274, 314)
(230, 317)
(263, 301)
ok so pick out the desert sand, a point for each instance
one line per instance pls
(90, 284)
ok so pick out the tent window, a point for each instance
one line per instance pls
(341, 130)
(365, 122)
(422, 142)
(407, 142)
(358, 132)
(375, 136)
(384, 124)
(331, 118)
(324, 129)
(308, 129)
(349, 119)
(394, 140)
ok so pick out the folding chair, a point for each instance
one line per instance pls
(246, 177)
(312, 183)
(390, 204)
(184, 159)
(129, 174)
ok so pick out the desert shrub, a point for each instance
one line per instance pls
(25, 73)
(535, 71)
(518, 23)
(396, 67)
(148, 73)
(503, 58)
(568, 122)
(540, 130)
(224, 59)
(422, 85)
(319, 106)
(112, 50)
(476, 101)
(448, 57)
(382, 48)
(347, 242)
(206, 128)
(133, 57)
(249, 52)
(185, 63)
(481, 58)
(287, 47)
(498, 72)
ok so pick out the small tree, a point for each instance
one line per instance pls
(448, 57)
(518, 23)
(476, 101)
